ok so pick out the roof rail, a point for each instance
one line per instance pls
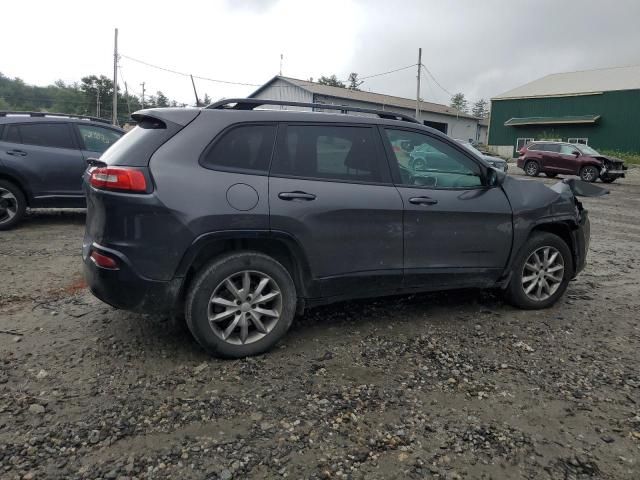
(252, 103)
(51, 114)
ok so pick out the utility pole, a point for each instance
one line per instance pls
(195, 92)
(142, 102)
(98, 100)
(126, 95)
(418, 84)
(281, 59)
(115, 80)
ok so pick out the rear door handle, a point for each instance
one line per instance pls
(296, 196)
(423, 201)
(17, 153)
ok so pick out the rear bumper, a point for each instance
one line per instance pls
(124, 288)
(581, 239)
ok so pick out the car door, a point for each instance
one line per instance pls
(47, 155)
(95, 140)
(552, 160)
(457, 231)
(330, 189)
(568, 160)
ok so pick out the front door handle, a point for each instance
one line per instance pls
(423, 201)
(17, 153)
(296, 196)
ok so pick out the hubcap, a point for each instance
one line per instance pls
(589, 173)
(245, 307)
(8, 205)
(542, 273)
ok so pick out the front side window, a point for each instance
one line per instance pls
(97, 139)
(567, 149)
(328, 152)
(57, 135)
(427, 161)
(245, 148)
(553, 147)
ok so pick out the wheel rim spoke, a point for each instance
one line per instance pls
(245, 307)
(542, 273)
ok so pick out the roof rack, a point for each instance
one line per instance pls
(51, 114)
(252, 103)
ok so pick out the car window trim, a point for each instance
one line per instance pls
(222, 133)
(395, 169)
(74, 140)
(379, 147)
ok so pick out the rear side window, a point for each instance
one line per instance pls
(12, 134)
(97, 139)
(553, 147)
(57, 135)
(328, 152)
(538, 147)
(245, 148)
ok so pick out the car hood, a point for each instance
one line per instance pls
(608, 158)
(490, 158)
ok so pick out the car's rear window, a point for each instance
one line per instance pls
(136, 147)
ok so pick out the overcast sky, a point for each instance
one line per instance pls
(481, 48)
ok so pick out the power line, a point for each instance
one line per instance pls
(436, 81)
(386, 73)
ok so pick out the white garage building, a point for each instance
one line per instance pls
(441, 117)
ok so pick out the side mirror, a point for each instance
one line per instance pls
(495, 178)
(575, 153)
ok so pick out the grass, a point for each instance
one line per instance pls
(629, 158)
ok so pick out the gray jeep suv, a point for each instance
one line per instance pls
(240, 217)
(43, 157)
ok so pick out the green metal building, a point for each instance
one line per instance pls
(598, 107)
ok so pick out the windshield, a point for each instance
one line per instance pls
(587, 150)
(470, 147)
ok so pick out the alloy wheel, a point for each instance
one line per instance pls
(589, 174)
(8, 205)
(532, 169)
(245, 307)
(543, 273)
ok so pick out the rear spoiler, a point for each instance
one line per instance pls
(179, 116)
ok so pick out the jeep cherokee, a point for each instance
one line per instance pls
(240, 217)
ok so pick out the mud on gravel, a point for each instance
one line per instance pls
(451, 386)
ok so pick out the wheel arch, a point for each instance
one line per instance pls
(562, 229)
(18, 183)
(282, 247)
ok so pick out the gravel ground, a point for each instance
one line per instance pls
(455, 385)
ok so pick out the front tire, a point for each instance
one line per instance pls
(240, 305)
(541, 273)
(532, 168)
(589, 173)
(12, 205)
(606, 179)
(551, 175)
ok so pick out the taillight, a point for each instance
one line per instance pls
(103, 261)
(118, 178)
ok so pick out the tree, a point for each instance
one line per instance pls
(332, 81)
(480, 109)
(354, 83)
(459, 103)
(207, 99)
(161, 100)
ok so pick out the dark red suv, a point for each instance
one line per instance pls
(553, 158)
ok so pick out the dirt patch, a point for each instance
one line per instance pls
(449, 385)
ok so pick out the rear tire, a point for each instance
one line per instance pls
(533, 288)
(589, 173)
(551, 175)
(531, 168)
(12, 205)
(240, 305)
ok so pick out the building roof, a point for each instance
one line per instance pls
(566, 120)
(578, 83)
(370, 97)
